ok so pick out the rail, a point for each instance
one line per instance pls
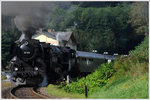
(26, 92)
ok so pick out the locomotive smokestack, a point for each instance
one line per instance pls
(28, 34)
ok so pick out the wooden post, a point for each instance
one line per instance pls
(86, 91)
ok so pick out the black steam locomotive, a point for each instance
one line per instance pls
(39, 63)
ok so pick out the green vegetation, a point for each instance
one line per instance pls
(99, 25)
(97, 79)
(131, 78)
(124, 87)
(56, 92)
(117, 28)
(126, 77)
(8, 38)
(114, 28)
(136, 64)
(139, 17)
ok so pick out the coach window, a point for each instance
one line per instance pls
(84, 59)
(90, 59)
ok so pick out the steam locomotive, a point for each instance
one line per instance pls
(40, 63)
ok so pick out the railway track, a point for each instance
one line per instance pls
(24, 92)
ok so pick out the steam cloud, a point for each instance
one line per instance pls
(30, 16)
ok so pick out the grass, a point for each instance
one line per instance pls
(124, 88)
(55, 91)
(131, 78)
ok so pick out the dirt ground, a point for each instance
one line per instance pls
(7, 86)
(5, 89)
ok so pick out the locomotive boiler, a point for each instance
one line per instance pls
(40, 63)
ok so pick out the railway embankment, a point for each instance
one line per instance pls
(126, 77)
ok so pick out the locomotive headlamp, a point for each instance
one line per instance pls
(36, 68)
(16, 69)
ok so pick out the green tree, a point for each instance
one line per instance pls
(107, 28)
(139, 17)
(8, 38)
(61, 18)
(103, 29)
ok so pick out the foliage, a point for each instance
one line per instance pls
(104, 29)
(8, 38)
(61, 19)
(139, 17)
(127, 77)
(97, 79)
(110, 28)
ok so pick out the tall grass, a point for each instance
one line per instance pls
(125, 87)
(136, 64)
(131, 77)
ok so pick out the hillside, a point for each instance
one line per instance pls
(126, 77)
(131, 77)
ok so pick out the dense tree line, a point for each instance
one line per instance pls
(111, 27)
(115, 27)
(7, 39)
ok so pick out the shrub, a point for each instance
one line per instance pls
(97, 79)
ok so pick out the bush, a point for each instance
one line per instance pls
(97, 79)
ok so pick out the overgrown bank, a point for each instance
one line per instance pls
(126, 77)
(131, 78)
